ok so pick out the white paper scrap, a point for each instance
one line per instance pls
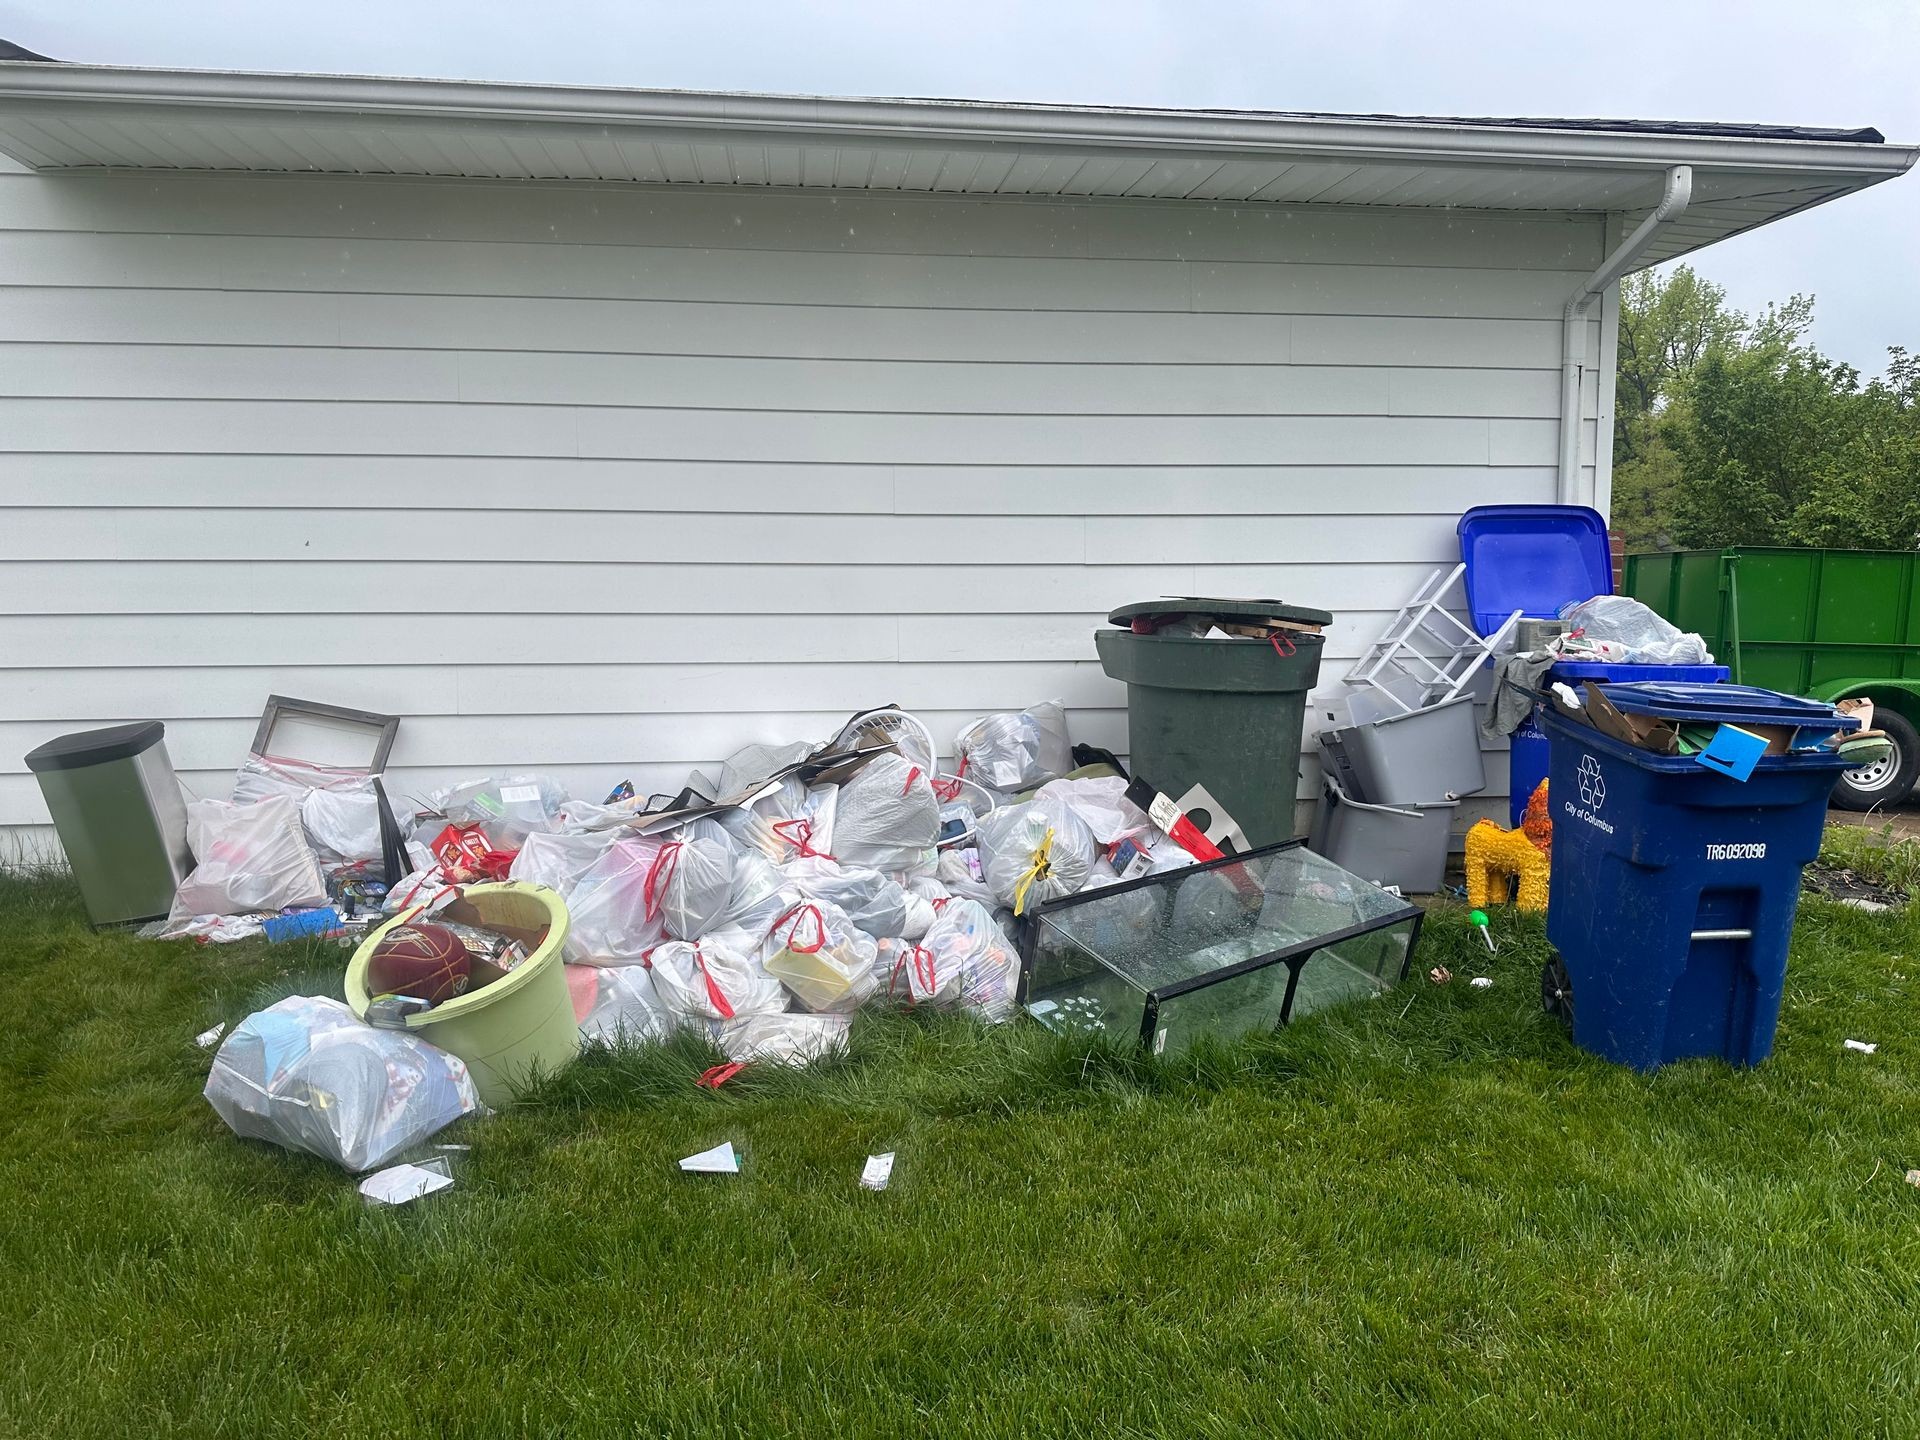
(878, 1171)
(1864, 1047)
(1481, 982)
(398, 1184)
(207, 1039)
(720, 1160)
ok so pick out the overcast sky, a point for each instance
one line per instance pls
(1809, 62)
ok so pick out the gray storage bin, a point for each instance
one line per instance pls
(1430, 754)
(1401, 845)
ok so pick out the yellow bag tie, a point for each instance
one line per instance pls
(1042, 859)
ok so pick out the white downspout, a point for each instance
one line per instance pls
(1573, 338)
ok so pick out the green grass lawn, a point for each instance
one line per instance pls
(1426, 1214)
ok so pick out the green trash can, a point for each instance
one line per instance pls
(1226, 713)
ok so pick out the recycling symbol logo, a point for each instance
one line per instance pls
(1593, 785)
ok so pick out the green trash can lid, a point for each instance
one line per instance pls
(1241, 610)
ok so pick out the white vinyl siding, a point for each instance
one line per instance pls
(609, 481)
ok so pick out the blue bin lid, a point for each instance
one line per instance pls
(1561, 726)
(1616, 674)
(1532, 558)
(1724, 704)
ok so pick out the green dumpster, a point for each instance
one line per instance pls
(1224, 713)
(1830, 624)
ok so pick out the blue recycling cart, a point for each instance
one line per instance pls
(1674, 887)
(1527, 746)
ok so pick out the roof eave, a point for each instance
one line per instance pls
(947, 121)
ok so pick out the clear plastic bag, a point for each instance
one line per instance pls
(888, 818)
(791, 820)
(249, 858)
(964, 962)
(614, 906)
(875, 903)
(967, 937)
(1649, 639)
(507, 808)
(1102, 805)
(339, 809)
(711, 981)
(957, 875)
(1015, 750)
(307, 1074)
(1035, 852)
(626, 1009)
(821, 956)
(692, 890)
(790, 1039)
(758, 896)
(558, 860)
(907, 972)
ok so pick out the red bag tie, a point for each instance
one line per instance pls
(1278, 639)
(819, 924)
(924, 969)
(912, 775)
(947, 790)
(718, 1075)
(714, 995)
(669, 860)
(801, 837)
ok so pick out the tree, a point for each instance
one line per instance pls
(1865, 493)
(1756, 425)
(1668, 325)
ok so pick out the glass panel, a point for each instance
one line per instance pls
(1096, 957)
(1364, 965)
(1072, 992)
(1194, 922)
(1224, 1009)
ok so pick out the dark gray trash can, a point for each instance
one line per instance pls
(117, 807)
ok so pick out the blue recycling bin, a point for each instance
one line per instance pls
(1674, 887)
(1527, 746)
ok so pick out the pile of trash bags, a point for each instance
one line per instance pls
(762, 909)
(812, 880)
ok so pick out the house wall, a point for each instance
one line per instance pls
(608, 481)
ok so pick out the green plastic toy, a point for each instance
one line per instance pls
(1479, 920)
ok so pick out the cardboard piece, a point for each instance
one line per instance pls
(1643, 732)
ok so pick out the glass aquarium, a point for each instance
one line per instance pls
(1245, 943)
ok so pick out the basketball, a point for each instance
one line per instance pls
(427, 961)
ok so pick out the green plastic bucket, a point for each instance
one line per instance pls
(519, 1027)
(1224, 713)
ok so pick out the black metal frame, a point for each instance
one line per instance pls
(278, 705)
(1294, 957)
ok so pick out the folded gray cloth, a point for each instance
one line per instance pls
(1516, 680)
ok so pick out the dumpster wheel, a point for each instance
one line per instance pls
(1556, 989)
